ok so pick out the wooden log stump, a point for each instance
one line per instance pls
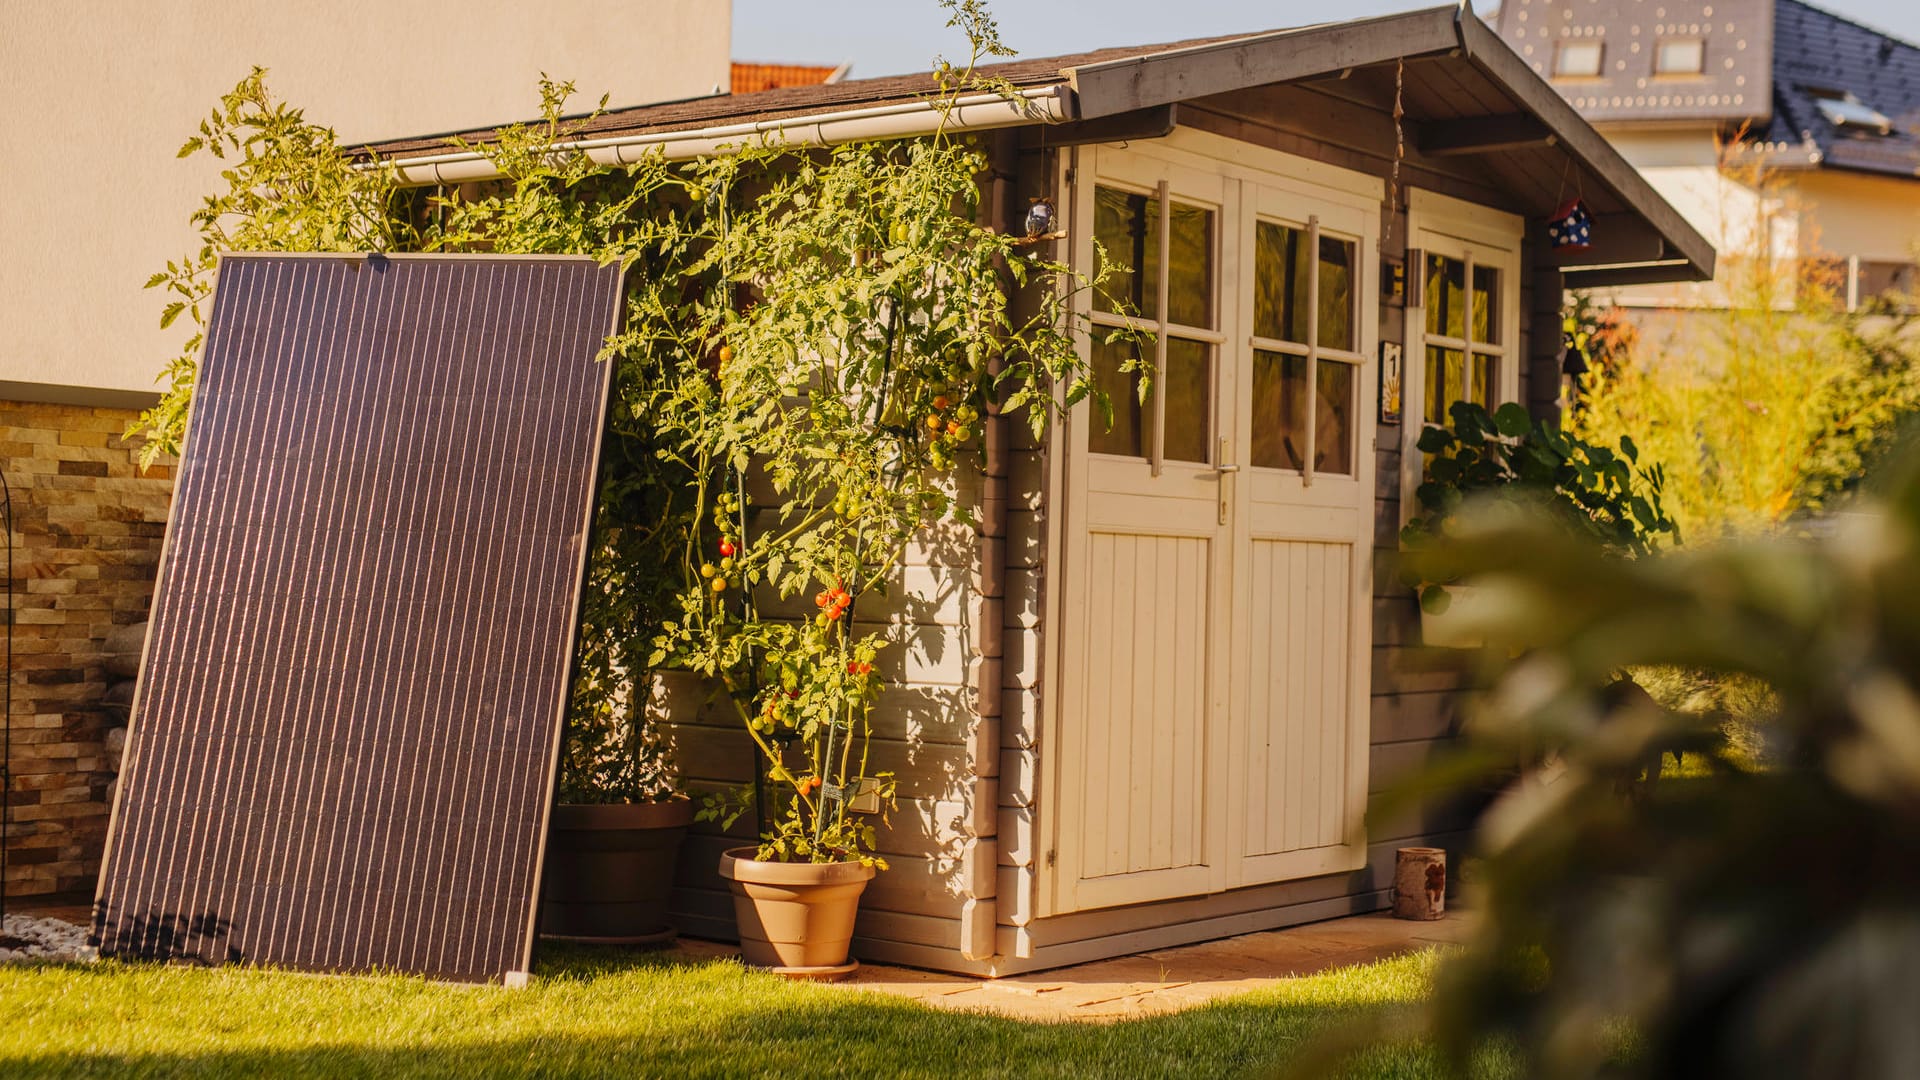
(1420, 883)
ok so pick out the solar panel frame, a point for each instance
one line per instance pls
(313, 366)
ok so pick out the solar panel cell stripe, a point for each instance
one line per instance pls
(431, 772)
(378, 907)
(557, 406)
(261, 569)
(281, 764)
(340, 560)
(523, 552)
(450, 780)
(346, 726)
(364, 703)
(173, 808)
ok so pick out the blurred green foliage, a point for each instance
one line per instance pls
(1765, 399)
(1755, 913)
(1596, 491)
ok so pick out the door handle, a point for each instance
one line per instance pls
(1225, 448)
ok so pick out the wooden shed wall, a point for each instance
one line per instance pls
(962, 726)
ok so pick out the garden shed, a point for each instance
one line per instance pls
(1146, 699)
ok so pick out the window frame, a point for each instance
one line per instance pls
(1560, 48)
(1311, 350)
(1475, 235)
(1153, 438)
(1660, 45)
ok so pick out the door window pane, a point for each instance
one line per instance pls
(1486, 305)
(1336, 293)
(1280, 286)
(1127, 436)
(1279, 282)
(1188, 384)
(1445, 383)
(1130, 240)
(1279, 410)
(1190, 280)
(1444, 296)
(1127, 226)
(1333, 419)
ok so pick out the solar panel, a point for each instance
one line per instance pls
(346, 729)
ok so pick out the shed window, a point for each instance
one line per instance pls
(1304, 356)
(1463, 346)
(1174, 259)
(1577, 60)
(1463, 328)
(1680, 56)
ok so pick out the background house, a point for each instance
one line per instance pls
(1829, 108)
(100, 96)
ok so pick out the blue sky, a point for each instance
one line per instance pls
(884, 37)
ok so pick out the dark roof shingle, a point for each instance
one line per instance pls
(1816, 54)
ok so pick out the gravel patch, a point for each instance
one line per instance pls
(29, 939)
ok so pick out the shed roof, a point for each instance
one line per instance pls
(1465, 93)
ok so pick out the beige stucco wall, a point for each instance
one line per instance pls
(1876, 218)
(99, 95)
(1810, 211)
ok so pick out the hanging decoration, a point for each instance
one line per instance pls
(1571, 227)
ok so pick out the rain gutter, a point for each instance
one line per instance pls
(979, 112)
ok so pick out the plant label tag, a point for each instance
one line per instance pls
(866, 796)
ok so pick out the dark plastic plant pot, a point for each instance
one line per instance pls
(796, 918)
(610, 870)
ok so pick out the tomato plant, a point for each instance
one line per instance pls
(813, 338)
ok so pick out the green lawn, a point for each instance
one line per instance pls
(636, 1016)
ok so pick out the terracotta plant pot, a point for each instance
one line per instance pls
(610, 869)
(795, 917)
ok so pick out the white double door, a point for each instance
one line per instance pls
(1215, 615)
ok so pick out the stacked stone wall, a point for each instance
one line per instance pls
(88, 523)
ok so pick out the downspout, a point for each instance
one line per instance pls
(1041, 105)
(979, 915)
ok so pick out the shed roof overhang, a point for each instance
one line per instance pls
(1466, 93)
